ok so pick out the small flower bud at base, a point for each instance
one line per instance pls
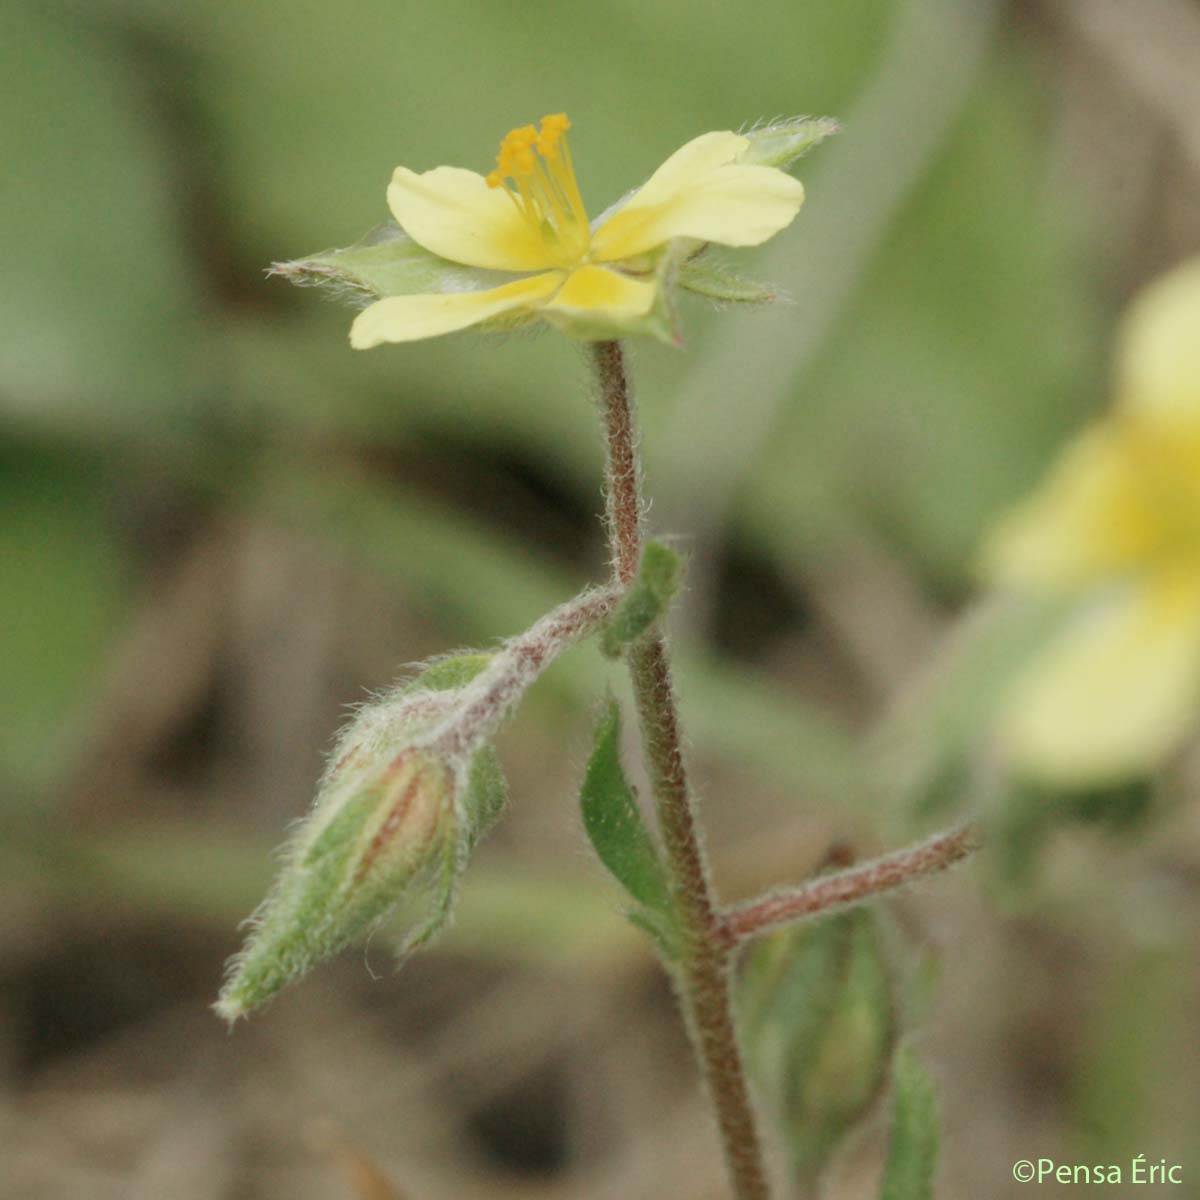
(365, 847)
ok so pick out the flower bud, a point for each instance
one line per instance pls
(371, 840)
(395, 821)
(819, 1029)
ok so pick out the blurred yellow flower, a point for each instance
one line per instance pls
(527, 219)
(1117, 525)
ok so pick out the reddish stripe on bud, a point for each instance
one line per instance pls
(415, 815)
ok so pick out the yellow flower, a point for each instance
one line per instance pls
(1117, 526)
(527, 220)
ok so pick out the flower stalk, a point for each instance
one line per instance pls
(704, 963)
(844, 889)
(484, 703)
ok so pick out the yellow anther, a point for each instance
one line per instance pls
(552, 129)
(534, 168)
(519, 139)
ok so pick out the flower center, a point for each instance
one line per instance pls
(534, 168)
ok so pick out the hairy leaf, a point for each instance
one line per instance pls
(649, 595)
(912, 1157)
(614, 823)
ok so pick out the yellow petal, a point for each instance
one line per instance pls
(1115, 692)
(1090, 519)
(702, 192)
(453, 213)
(1159, 354)
(592, 291)
(692, 160)
(410, 318)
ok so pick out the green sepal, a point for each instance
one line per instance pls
(781, 143)
(912, 1155)
(387, 722)
(710, 279)
(615, 827)
(446, 674)
(438, 900)
(648, 597)
(486, 791)
(387, 262)
(485, 795)
(819, 1027)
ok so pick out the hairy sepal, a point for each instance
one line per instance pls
(386, 262)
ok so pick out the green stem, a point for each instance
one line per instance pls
(704, 968)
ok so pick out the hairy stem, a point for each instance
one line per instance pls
(485, 702)
(704, 974)
(844, 889)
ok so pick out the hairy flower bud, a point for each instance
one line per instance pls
(394, 823)
(413, 784)
(819, 1028)
(376, 836)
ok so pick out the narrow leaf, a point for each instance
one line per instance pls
(912, 1157)
(614, 824)
(658, 928)
(649, 595)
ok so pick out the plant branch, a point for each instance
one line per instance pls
(855, 885)
(490, 697)
(704, 976)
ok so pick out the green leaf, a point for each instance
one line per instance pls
(649, 595)
(912, 1157)
(614, 824)
(658, 928)
(1126, 1063)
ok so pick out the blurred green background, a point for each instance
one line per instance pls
(219, 526)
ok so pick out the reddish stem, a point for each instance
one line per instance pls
(849, 887)
(491, 696)
(622, 476)
(704, 974)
